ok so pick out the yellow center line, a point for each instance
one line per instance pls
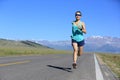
(13, 63)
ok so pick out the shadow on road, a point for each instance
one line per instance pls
(61, 68)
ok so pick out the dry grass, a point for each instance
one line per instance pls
(13, 48)
(13, 51)
(113, 61)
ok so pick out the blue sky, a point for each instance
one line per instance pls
(51, 19)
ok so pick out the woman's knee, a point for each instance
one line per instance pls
(75, 50)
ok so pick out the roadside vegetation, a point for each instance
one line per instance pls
(15, 48)
(15, 51)
(113, 61)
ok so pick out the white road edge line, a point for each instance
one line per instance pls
(99, 75)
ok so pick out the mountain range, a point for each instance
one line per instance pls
(92, 44)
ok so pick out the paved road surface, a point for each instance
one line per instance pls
(47, 67)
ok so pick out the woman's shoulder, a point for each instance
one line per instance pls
(73, 22)
(82, 22)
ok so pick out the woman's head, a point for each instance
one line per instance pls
(78, 15)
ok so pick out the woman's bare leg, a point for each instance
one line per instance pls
(75, 47)
(80, 52)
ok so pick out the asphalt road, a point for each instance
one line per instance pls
(47, 67)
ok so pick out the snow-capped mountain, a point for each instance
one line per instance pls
(102, 44)
(93, 44)
(100, 41)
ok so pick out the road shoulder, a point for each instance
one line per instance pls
(106, 71)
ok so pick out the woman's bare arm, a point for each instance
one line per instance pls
(83, 28)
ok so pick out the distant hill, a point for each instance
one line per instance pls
(25, 47)
(93, 44)
(33, 44)
(26, 43)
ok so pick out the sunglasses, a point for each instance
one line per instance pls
(77, 15)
